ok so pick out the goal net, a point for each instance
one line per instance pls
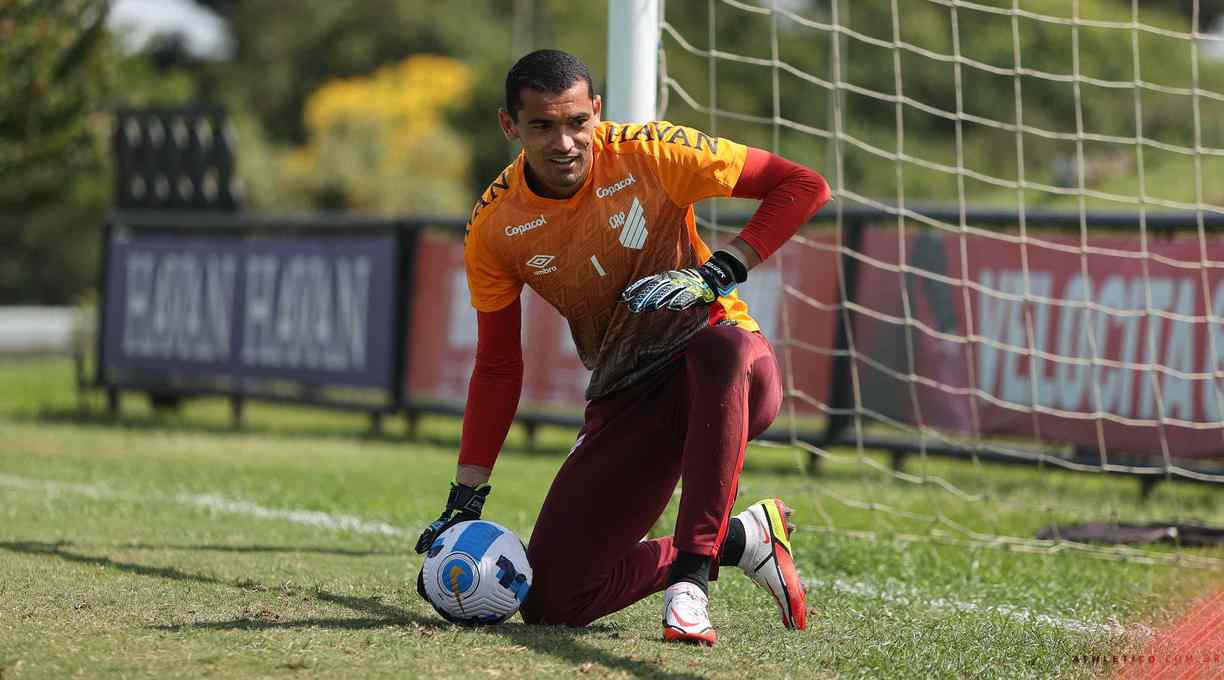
(1021, 263)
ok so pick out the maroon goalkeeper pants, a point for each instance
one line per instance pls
(688, 422)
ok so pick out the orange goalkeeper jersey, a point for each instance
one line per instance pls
(633, 217)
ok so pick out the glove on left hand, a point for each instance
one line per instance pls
(680, 289)
(462, 504)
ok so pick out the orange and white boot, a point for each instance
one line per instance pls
(686, 616)
(768, 561)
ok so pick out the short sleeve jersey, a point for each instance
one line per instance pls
(633, 217)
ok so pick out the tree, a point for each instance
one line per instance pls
(54, 184)
(282, 57)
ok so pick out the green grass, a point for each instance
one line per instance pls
(109, 567)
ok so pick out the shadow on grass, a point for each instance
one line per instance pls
(564, 643)
(289, 549)
(378, 615)
(269, 621)
(567, 644)
(557, 641)
(59, 550)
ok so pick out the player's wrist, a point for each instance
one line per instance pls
(742, 252)
(723, 272)
(472, 475)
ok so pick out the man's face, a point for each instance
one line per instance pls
(555, 131)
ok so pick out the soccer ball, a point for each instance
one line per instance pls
(476, 573)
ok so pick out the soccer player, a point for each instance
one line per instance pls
(597, 217)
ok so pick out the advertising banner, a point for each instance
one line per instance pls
(1094, 343)
(304, 317)
(442, 339)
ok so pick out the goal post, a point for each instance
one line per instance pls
(633, 46)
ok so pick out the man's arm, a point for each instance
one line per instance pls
(789, 193)
(493, 393)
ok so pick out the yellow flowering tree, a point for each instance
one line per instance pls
(380, 143)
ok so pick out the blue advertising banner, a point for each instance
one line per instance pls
(307, 318)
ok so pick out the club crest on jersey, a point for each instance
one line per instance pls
(604, 192)
(542, 264)
(524, 228)
(632, 226)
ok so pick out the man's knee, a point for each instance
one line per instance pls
(554, 603)
(763, 409)
(560, 586)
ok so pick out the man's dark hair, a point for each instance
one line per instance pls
(550, 71)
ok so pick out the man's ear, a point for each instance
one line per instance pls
(597, 107)
(508, 126)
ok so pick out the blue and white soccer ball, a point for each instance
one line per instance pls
(476, 573)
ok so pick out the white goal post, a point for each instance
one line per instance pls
(633, 46)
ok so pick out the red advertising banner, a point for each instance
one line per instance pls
(442, 339)
(1094, 343)
(442, 336)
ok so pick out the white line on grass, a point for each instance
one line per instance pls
(215, 503)
(896, 595)
(308, 517)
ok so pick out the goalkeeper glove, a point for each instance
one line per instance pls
(463, 504)
(680, 289)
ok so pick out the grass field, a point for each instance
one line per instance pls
(169, 545)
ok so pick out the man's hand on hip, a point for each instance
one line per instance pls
(680, 289)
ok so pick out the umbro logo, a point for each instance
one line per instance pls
(632, 226)
(542, 264)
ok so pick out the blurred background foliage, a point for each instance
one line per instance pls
(381, 143)
(59, 73)
(389, 106)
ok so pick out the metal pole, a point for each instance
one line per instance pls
(841, 392)
(633, 64)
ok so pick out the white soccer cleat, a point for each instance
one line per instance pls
(686, 616)
(767, 558)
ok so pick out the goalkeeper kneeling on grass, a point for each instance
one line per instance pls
(597, 217)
